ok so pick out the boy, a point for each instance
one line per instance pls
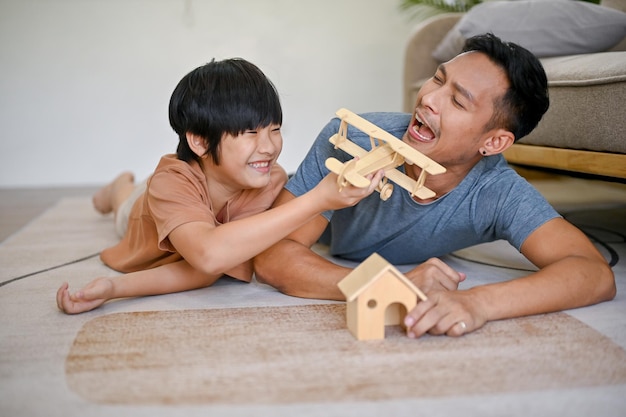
(204, 212)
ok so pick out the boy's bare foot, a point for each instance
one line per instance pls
(104, 197)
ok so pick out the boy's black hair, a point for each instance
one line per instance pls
(222, 97)
(526, 101)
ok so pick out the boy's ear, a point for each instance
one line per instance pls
(498, 142)
(196, 144)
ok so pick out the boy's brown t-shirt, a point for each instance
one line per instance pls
(177, 193)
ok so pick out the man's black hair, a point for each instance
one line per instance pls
(526, 100)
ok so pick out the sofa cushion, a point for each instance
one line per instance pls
(585, 69)
(587, 96)
(546, 28)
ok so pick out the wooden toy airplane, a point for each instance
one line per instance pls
(388, 152)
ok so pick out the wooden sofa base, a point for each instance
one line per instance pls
(587, 162)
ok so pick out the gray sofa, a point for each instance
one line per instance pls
(584, 130)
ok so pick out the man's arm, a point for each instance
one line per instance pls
(293, 268)
(572, 274)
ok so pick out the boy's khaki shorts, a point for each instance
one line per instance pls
(123, 212)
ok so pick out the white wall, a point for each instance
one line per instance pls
(85, 84)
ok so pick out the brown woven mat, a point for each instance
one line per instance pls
(280, 355)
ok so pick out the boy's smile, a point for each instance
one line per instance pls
(261, 166)
(246, 160)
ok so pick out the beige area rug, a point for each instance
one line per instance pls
(238, 349)
(278, 355)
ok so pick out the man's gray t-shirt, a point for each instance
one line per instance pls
(493, 202)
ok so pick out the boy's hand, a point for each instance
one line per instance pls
(91, 296)
(349, 194)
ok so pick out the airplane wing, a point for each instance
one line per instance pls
(413, 156)
(347, 146)
(346, 174)
(409, 184)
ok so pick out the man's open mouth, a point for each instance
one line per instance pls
(420, 131)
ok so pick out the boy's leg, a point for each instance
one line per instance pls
(111, 196)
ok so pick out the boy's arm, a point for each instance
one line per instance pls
(572, 274)
(169, 278)
(214, 250)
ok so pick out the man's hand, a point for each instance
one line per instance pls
(452, 313)
(435, 275)
(446, 311)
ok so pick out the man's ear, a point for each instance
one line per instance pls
(498, 142)
(196, 144)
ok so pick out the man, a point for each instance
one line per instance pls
(466, 115)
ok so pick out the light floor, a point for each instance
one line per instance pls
(18, 206)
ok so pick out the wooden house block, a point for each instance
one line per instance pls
(377, 295)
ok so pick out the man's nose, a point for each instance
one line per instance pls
(431, 100)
